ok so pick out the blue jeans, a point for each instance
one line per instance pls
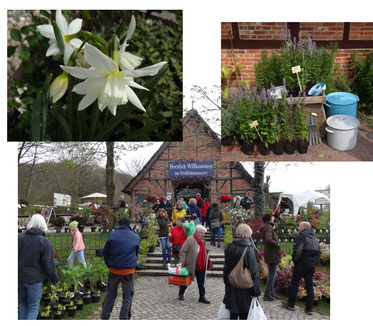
(128, 290)
(29, 294)
(79, 255)
(166, 248)
(215, 232)
(269, 292)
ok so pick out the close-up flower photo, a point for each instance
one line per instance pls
(95, 75)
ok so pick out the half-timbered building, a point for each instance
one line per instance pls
(183, 169)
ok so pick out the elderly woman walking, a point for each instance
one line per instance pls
(35, 263)
(238, 300)
(193, 212)
(78, 245)
(194, 257)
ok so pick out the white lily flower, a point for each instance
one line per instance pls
(104, 81)
(128, 61)
(59, 86)
(68, 32)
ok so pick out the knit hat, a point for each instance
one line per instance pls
(74, 224)
(188, 228)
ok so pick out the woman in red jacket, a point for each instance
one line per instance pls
(177, 237)
(205, 206)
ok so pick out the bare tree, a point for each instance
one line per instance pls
(135, 165)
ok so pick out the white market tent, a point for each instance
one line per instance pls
(301, 197)
(94, 196)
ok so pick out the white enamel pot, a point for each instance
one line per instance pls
(341, 132)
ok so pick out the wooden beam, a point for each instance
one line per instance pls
(235, 31)
(276, 44)
(346, 31)
(294, 29)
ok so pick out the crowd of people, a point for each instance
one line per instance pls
(184, 241)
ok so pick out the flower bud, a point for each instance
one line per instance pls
(59, 87)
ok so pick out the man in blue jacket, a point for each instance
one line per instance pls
(120, 254)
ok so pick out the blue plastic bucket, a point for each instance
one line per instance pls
(341, 103)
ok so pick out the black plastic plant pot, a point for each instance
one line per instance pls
(302, 146)
(227, 140)
(87, 300)
(247, 149)
(263, 150)
(290, 147)
(96, 298)
(278, 148)
(57, 314)
(71, 311)
(80, 306)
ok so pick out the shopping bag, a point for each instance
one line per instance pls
(223, 313)
(256, 312)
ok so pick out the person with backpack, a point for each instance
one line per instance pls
(215, 218)
(193, 212)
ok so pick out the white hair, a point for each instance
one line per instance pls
(37, 221)
(199, 228)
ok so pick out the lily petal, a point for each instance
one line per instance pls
(132, 97)
(53, 49)
(99, 60)
(46, 31)
(130, 31)
(61, 22)
(87, 101)
(146, 71)
(76, 43)
(129, 81)
(81, 73)
(90, 85)
(75, 26)
(67, 53)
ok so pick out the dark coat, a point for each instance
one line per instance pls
(272, 249)
(246, 202)
(306, 250)
(193, 209)
(235, 299)
(35, 258)
(121, 248)
(215, 214)
(163, 223)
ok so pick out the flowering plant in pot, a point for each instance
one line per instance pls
(248, 136)
(300, 123)
(278, 145)
(228, 127)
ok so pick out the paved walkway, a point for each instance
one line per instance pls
(156, 299)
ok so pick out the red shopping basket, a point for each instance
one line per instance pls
(179, 280)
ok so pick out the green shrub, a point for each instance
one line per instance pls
(363, 81)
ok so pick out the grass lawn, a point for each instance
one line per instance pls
(62, 243)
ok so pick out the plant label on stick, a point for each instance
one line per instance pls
(296, 70)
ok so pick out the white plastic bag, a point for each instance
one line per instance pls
(256, 312)
(223, 313)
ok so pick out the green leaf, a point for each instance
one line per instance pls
(29, 67)
(11, 50)
(25, 30)
(35, 121)
(16, 35)
(64, 124)
(32, 40)
(59, 37)
(143, 131)
(167, 114)
(24, 52)
(45, 13)
(46, 88)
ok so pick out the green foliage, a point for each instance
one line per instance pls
(363, 81)
(154, 40)
(150, 233)
(57, 221)
(228, 235)
(317, 65)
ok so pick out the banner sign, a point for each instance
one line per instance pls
(190, 169)
(61, 200)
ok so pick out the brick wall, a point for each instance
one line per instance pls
(248, 58)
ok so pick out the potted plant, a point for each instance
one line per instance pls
(57, 314)
(96, 296)
(301, 129)
(45, 314)
(71, 310)
(58, 222)
(79, 304)
(278, 145)
(87, 297)
(150, 233)
(228, 128)
(248, 136)
(263, 145)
